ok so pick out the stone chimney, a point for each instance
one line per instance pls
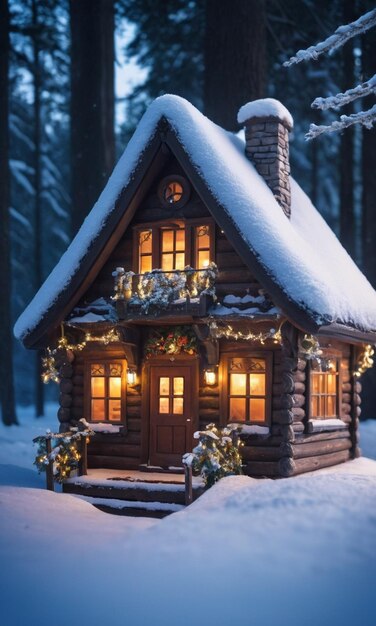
(267, 124)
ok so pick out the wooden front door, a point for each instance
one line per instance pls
(171, 413)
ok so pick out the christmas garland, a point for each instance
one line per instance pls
(177, 340)
(217, 453)
(65, 455)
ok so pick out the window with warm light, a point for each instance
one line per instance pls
(174, 245)
(172, 249)
(107, 390)
(171, 395)
(145, 249)
(202, 244)
(247, 390)
(324, 390)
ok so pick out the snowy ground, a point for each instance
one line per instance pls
(257, 552)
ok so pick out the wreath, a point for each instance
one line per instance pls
(177, 340)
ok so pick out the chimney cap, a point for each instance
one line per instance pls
(264, 108)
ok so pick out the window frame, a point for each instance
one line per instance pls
(189, 226)
(105, 360)
(338, 395)
(224, 374)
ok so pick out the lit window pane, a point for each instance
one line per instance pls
(180, 261)
(178, 386)
(256, 365)
(237, 384)
(145, 264)
(203, 259)
(202, 237)
(315, 406)
(315, 384)
(178, 406)
(114, 410)
(167, 240)
(97, 369)
(237, 409)
(257, 384)
(97, 387)
(115, 387)
(180, 239)
(164, 386)
(115, 369)
(257, 410)
(97, 410)
(331, 404)
(331, 383)
(164, 405)
(173, 192)
(167, 262)
(145, 240)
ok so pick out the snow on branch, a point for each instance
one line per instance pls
(366, 118)
(339, 38)
(333, 102)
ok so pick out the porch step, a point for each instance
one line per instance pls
(133, 509)
(133, 493)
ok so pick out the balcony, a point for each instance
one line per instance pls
(187, 292)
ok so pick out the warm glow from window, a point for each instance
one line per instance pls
(145, 244)
(247, 390)
(324, 392)
(171, 395)
(202, 245)
(173, 192)
(106, 391)
(173, 249)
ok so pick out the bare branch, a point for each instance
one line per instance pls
(366, 118)
(339, 38)
(333, 102)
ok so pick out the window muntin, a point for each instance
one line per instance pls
(106, 390)
(247, 389)
(324, 390)
(173, 192)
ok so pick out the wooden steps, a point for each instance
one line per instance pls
(133, 493)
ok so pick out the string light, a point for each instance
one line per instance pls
(228, 332)
(365, 361)
(50, 369)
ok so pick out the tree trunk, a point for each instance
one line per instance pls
(234, 58)
(92, 102)
(38, 239)
(7, 403)
(347, 216)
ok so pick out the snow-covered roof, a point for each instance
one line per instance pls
(266, 107)
(301, 255)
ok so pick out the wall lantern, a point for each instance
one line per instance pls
(210, 377)
(131, 376)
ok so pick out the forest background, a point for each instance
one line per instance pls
(76, 77)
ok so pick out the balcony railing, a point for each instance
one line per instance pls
(159, 292)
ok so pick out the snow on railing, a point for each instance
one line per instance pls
(158, 288)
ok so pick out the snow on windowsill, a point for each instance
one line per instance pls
(104, 428)
(316, 426)
(253, 429)
(88, 318)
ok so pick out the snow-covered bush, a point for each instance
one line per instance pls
(217, 453)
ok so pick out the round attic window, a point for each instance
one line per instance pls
(174, 191)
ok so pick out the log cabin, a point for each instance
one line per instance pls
(204, 287)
